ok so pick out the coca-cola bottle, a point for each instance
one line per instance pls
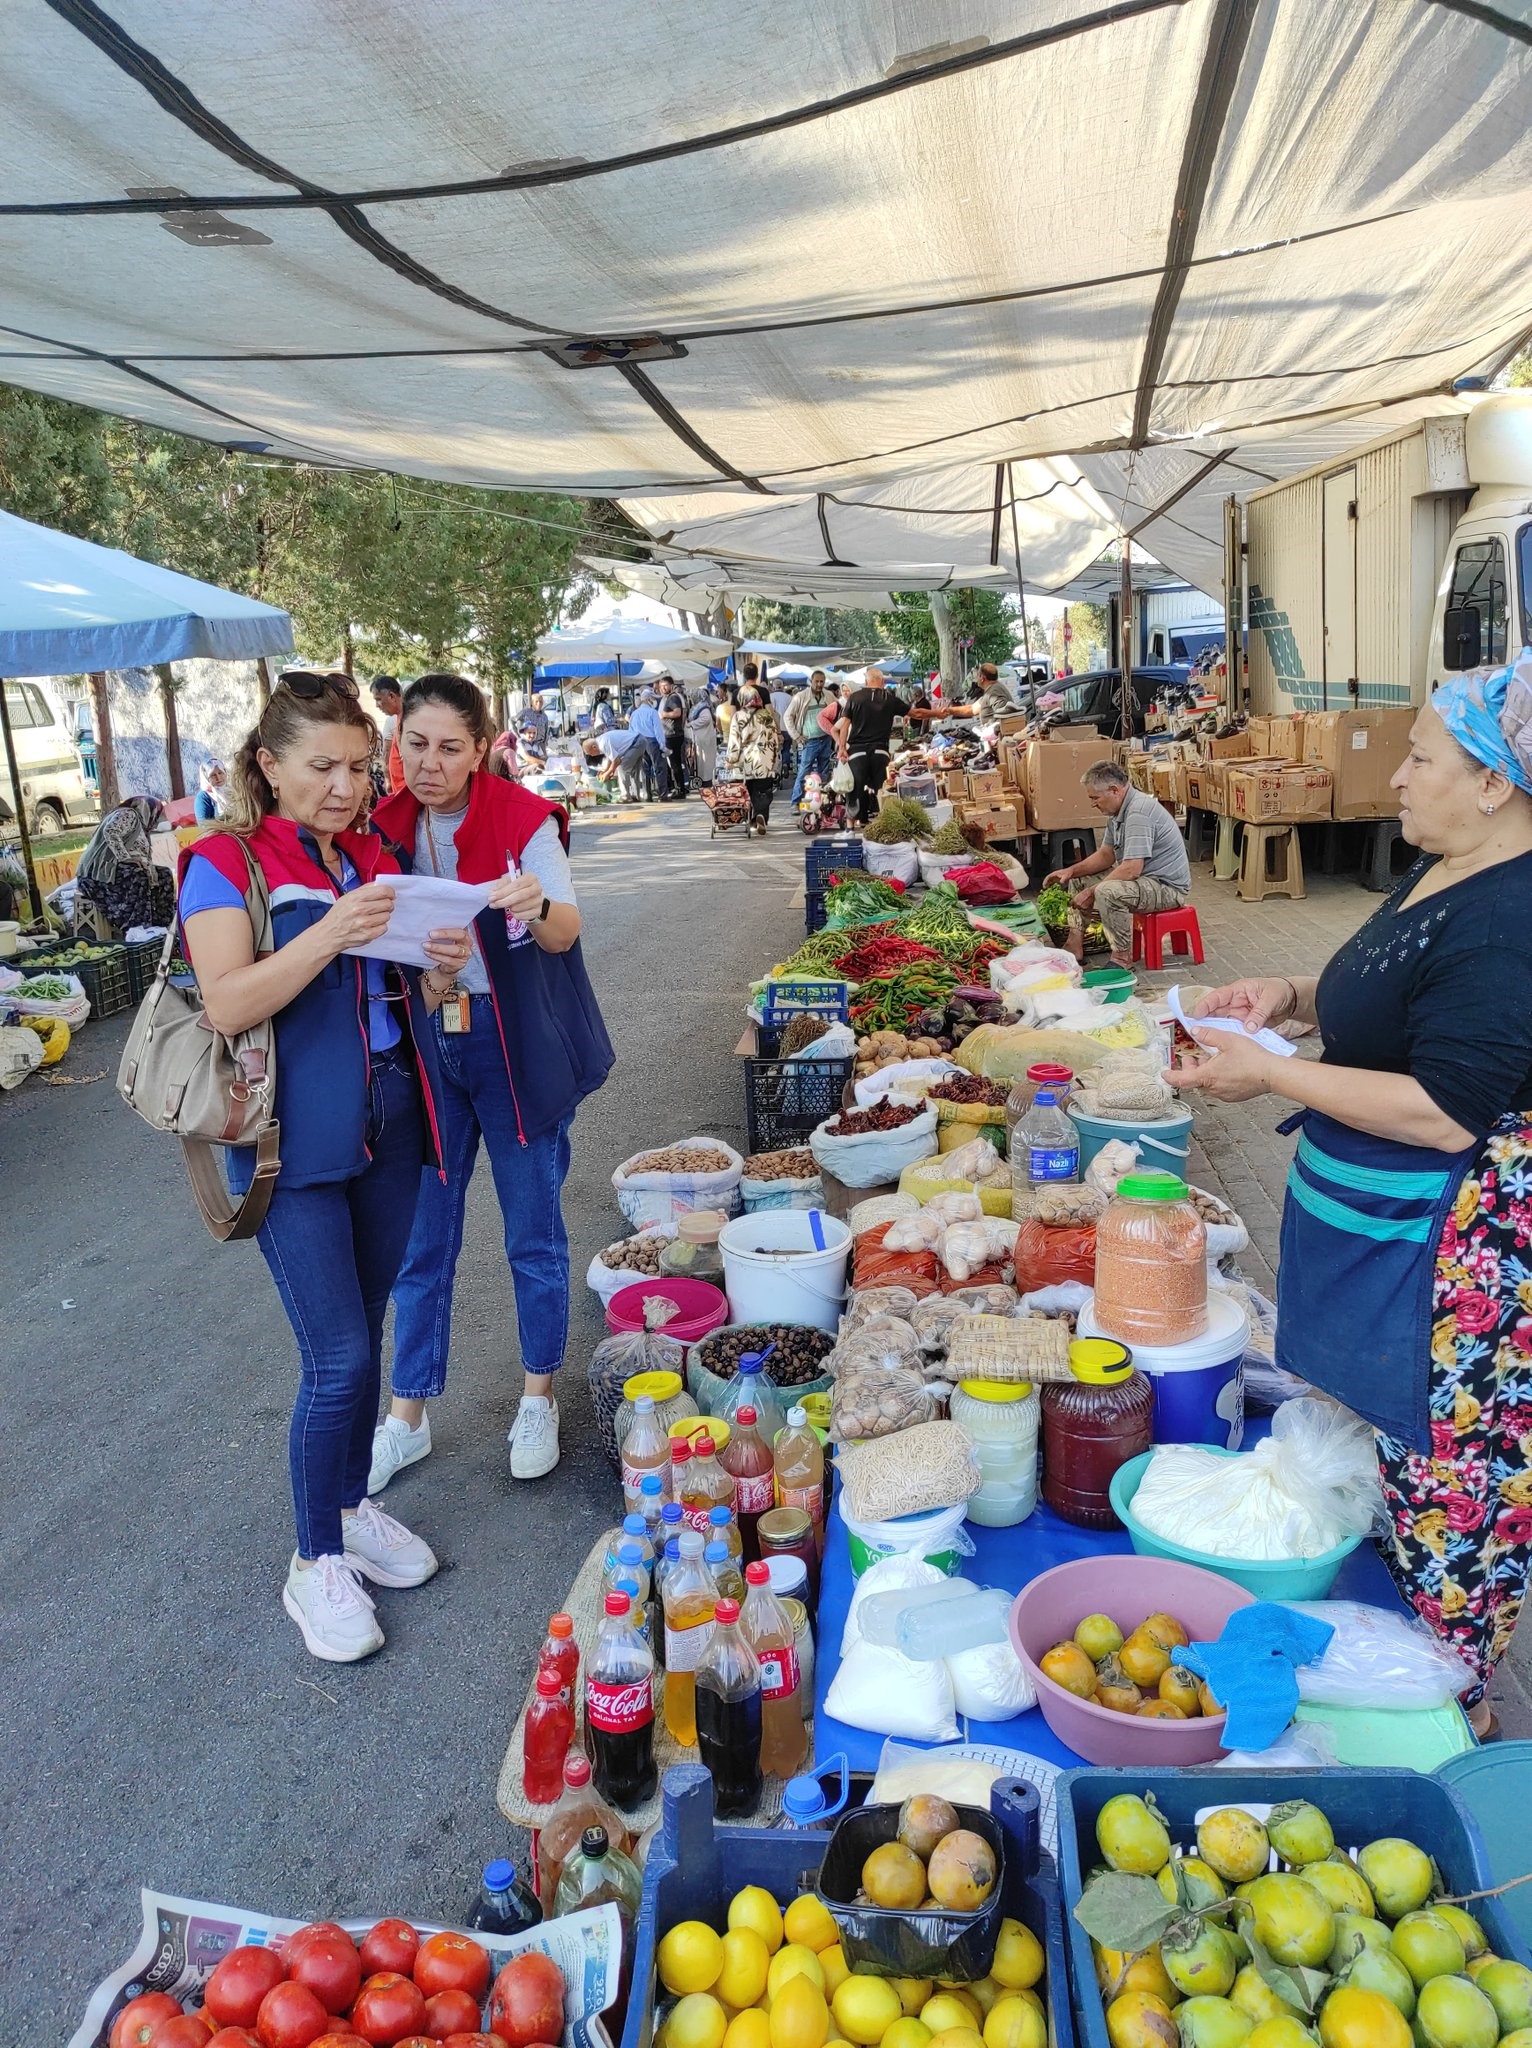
(728, 1696)
(747, 1459)
(619, 1709)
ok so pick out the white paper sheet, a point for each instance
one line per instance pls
(423, 904)
(1269, 1041)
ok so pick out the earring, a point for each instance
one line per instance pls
(1489, 810)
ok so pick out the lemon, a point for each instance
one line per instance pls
(799, 2017)
(865, 2008)
(756, 1909)
(807, 1920)
(690, 1958)
(988, 1990)
(913, 1993)
(907, 2033)
(697, 2021)
(1018, 1957)
(748, 2030)
(833, 1962)
(1015, 2023)
(958, 2037)
(746, 1959)
(794, 1960)
(947, 2013)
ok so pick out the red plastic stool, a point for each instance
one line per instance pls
(1152, 928)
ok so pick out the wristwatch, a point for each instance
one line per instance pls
(542, 915)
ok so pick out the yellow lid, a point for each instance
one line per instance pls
(1100, 1361)
(995, 1390)
(659, 1386)
(700, 1425)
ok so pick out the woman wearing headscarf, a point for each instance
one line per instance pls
(1405, 1285)
(118, 874)
(703, 728)
(212, 777)
(755, 749)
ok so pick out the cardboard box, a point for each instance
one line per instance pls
(985, 787)
(1278, 793)
(1236, 747)
(1055, 800)
(1140, 769)
(1205, 786)
(954, 784)
(1163, 780)
(1013, 765)
(1276, 739)
(1362, 750)
(998, 821)
(1012, 723)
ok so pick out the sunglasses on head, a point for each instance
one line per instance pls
(310, 683)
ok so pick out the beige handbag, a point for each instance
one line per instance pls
(183, 1076)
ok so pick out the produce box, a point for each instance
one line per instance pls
(1277, 739)
(1236, 747)
(1055, 799)
(695, 1867)
(1362, 750)
(1013, 765)
(997, 820)
(784, 999)
(106, 977)
(1361, 1805)
(954, 783)
(1205, 786)
(985, 786)
(1278, 793)
(823, 857)
(1013, 722)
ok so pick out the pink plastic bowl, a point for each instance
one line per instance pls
(1129, 1589)
(703, 1308)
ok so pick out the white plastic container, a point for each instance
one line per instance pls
(1001, 1422)
(1199, 1387)
(935, 1536)
(774, 1272)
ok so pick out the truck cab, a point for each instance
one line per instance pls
(1484, 599)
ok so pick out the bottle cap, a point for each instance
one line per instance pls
(644, 1405)
(716, 1553)
(1100, 1361)
(672, 1511)
(629, 1553)
(629, 1588)
(755, 1361)
(721, 1516)
(617, 1603)
(680, 1452)
(1152, 1187)
(1045, 1099)
(995, 1390)
(577, 1768)
(1049, 1075)
(651, 1483)
(727, 1611)
(757, 1574)
(594, 1842)
(500, 1875)
(549, 1685)
(797, 1417)
(747, 1416)
(635, 1525)
(672, 1548)
(561, 1625)
(803, 1800)
(691, 1543)
(703, 1445)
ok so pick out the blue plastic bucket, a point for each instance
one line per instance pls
(1163, 1141)
(1199, 1387)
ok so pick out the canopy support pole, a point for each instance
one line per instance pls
(108, 795)
(21, 806)
(1021, 588)
(1125, 637)
(263, 684)
(172, 728)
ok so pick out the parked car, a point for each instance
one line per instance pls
(52, 785)
(1096, 699)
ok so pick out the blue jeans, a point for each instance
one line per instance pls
(474, 1100)
(817, 757)
(333, 1252)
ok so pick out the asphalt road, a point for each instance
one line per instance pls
(166, 1725)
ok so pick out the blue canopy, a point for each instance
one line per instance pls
(68, 606)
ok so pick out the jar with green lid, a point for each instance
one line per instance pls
(668, 1393)
(1095, 1421)
(1151, 1263)
(1001, 1421)
(693, 1253)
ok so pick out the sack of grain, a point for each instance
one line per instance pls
(662, 1184)
(931, 1465)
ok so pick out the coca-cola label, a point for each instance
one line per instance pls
(810, 1498)
(696, 1516)
(684, 1646)
(633, 1477)
(618, 1709)
(779, 1673)
(755, 1493)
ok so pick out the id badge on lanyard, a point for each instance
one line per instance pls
(456, 1013)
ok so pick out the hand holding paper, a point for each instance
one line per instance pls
(1269, 1041)
(423, 904)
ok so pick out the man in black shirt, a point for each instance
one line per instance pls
(673, 720)
(864, 735)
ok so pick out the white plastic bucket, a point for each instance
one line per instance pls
(933, 1535)
(10, 931)
(1199, 1387)
(773, 1272)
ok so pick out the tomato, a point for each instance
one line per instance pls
(236, 1988)
(450, 2012)
(391, 1945)
(183, 2030)
(388, 2008)
(292, 1945)
(417, 2041)
(291, 2017)
(527, 2005)
(331, 1968)
(346, 2040)
(471, 2041)
(452, 1962)
(235, 2037)
(139, 2018)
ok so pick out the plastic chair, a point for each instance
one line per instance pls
(1271, 864)
(1153, 928)
(1383, 835)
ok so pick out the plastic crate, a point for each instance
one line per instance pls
(143, 959)
(823, 857)
(695, 1867)
(1362, 1805)
(785, 999)
(786, 1099)
(814, 912)
(107, 982)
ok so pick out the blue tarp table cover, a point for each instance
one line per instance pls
(69, 607)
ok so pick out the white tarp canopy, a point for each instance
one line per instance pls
(792, 248)
(632, 640)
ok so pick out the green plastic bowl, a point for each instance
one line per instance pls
(1115, 983)
(1306, 1578)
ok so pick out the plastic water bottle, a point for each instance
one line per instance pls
(505, 1905)
(945, 1629)
(1047, 1149)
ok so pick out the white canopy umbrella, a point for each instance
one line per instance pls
(630, 640)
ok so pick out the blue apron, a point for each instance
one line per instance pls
(1360, 1228)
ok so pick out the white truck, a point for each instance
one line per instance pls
(1369, 579)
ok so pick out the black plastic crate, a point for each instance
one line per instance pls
(107, 982)
(823, 857)
(143, 959)
(814, 912)
(786, 1099)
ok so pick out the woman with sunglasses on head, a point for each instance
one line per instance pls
(354, 1102)
(518, 1043)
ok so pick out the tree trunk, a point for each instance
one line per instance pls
(348, 653)
(263, 686)
(172, 728)
(946, 647)
(107, 792)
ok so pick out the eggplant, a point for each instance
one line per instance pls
(929, 1024)
(945, 1042)
(962, 1031)
(961, 1012)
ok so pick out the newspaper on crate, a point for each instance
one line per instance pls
(184, 1940)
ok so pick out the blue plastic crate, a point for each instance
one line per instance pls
(814, 912)
(785, 999)
(1362, 1805)
(823, 857)
(695, 1867)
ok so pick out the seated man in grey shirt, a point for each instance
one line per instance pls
(1142, 866)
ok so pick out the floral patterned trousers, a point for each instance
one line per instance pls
(1462, 1516)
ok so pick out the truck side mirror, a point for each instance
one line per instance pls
(1461, 637)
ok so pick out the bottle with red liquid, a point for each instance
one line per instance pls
(549, 1732)
(705, 1486)
(619, 1709)
(561, 1653)
(1094, 1422)
(728, 1694)
(746, 1457)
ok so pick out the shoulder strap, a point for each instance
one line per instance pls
(258, 902)
(227, 1220)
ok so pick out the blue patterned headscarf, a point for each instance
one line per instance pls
(1489, 713)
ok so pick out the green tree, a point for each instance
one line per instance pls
(1089, 625)
(982, 617)
(1518, 371)
(809, 625)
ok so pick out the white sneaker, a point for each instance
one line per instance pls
(534, 1437)
(333, 1611)
(384, 1551)
(395, 1445)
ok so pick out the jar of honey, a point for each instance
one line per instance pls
(1094, 1422)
